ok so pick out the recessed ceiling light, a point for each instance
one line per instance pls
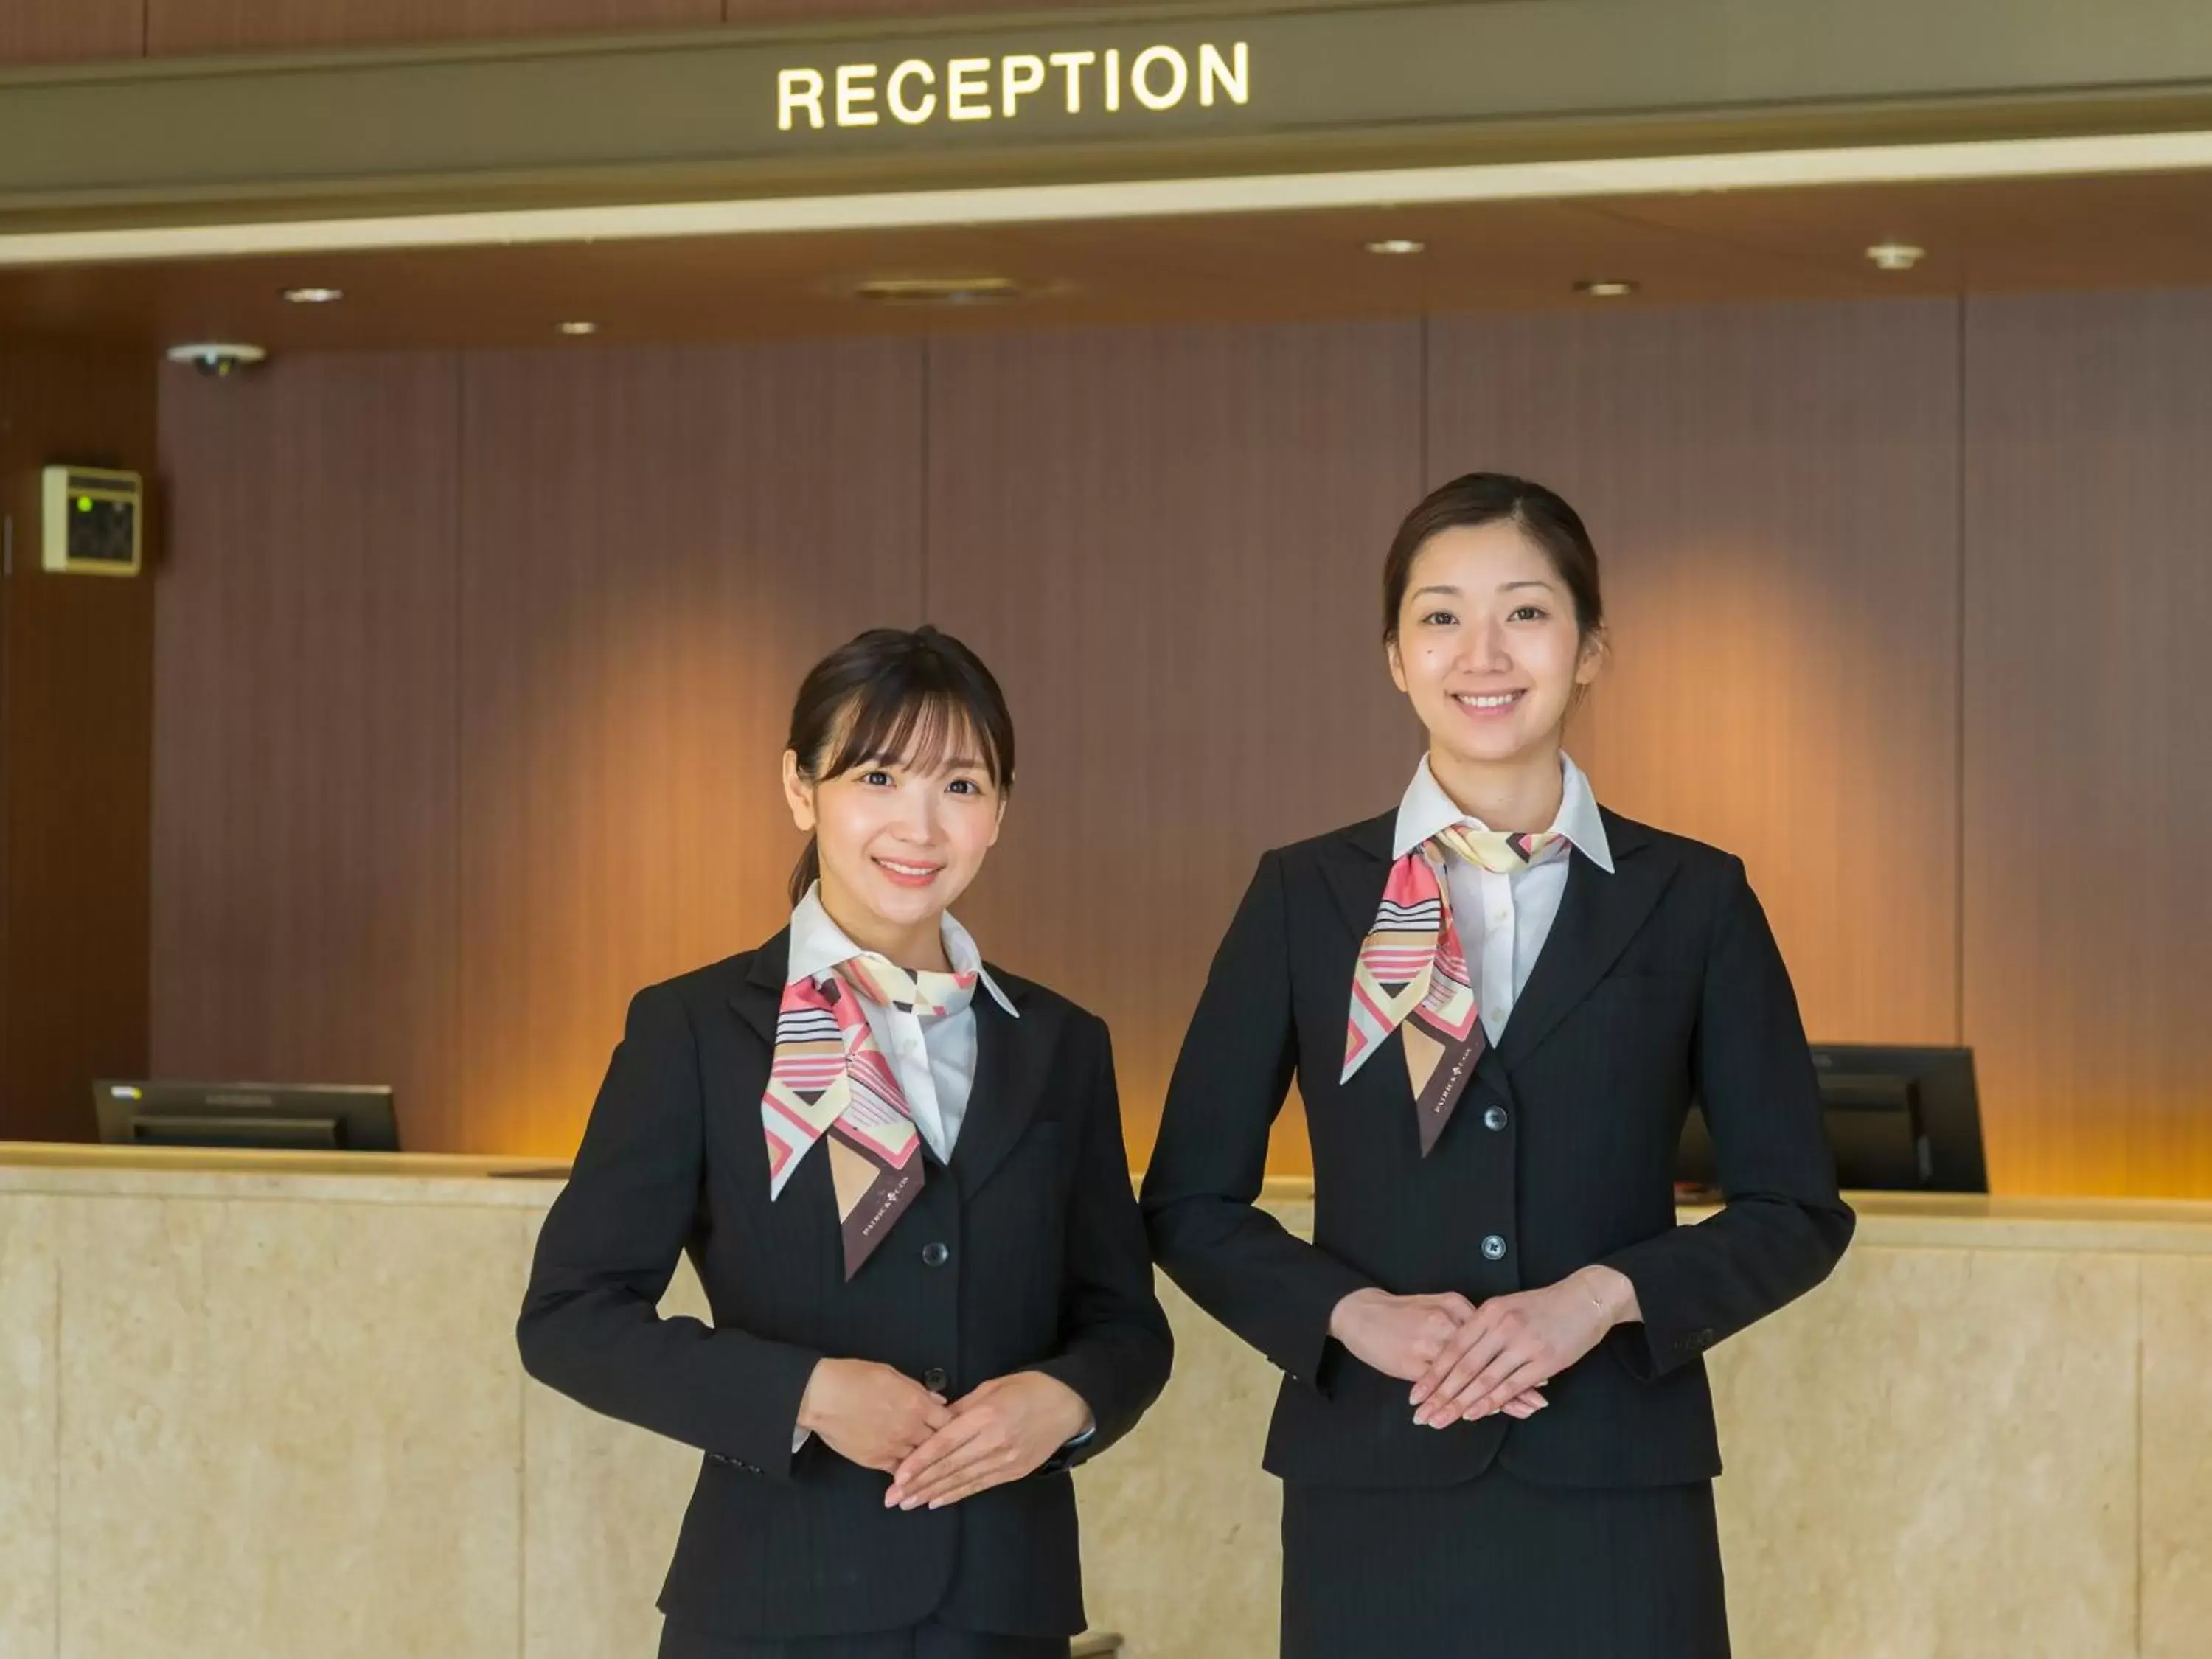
(314, 296)
(577, 327)
(1397, 244)
(938, 290)
(1605, 288)
(1895, 255)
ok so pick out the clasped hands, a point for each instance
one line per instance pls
(1466, 1362)
(938, 1451)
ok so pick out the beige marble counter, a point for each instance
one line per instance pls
(69, 1169)
(267, 1405)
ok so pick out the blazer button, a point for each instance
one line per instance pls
(935, 1380)
(1493, 1248)
(1494, 1118)
(935, 1254)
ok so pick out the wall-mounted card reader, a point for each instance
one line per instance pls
(92, 520)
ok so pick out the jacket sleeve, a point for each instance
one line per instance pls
(1234, 1260)
(1782, 1226)
(1116, 1347)
(591, 1326)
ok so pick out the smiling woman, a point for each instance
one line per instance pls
(901, 1176)
(904, 740)
(1495, 1395)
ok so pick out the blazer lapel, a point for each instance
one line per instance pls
(759, 996)
(1598, 916)
(1012, 1062)
(754, 996)
(1356, 869)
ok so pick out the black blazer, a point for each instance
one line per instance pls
(1658, 981)
(1047, 1271)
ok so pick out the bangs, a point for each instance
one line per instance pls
(908, 721)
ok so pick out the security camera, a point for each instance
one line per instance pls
(218, 358)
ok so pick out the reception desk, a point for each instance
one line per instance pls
(267, 1407)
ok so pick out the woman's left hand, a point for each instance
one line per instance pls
(1518, 1342)
(1002, 1431)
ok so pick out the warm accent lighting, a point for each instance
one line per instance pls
(578, 328)
(1605, 288)
(1895, 255)
(2073, 156)
(938, 290)
(1397, 244)
(314, 296)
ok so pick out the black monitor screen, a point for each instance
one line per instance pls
(315, 1116)
(1898, 1119)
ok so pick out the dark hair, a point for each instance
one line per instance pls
(893, 694)
(1479, 498)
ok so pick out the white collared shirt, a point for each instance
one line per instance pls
(1502, 920)
(933, 1059)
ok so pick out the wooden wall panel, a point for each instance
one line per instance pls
(760, 11)
(181, 27)
(1773, 492)
(658, 544)
(472, 672)
(77, 710)
(1168, 544)
(40, 30)
(304, 782)
(61, 31)
(2088, 781)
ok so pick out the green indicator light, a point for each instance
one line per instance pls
(84, 503)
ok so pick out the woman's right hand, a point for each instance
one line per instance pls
(870, 1414)
(1400, 1336)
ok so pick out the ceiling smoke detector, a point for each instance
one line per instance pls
(218, 358)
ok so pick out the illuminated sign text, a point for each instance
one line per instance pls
(917, 91)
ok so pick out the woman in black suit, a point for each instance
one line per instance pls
(901, 1178)
(1498, 999)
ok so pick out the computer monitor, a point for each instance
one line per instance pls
(315, 1116)
(1905, 1119)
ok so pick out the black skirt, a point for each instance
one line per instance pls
(1499, 1568)
(931, 1641)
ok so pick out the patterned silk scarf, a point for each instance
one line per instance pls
(829, 1077)
(1413, 974)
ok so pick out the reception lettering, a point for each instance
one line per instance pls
(918, 91)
